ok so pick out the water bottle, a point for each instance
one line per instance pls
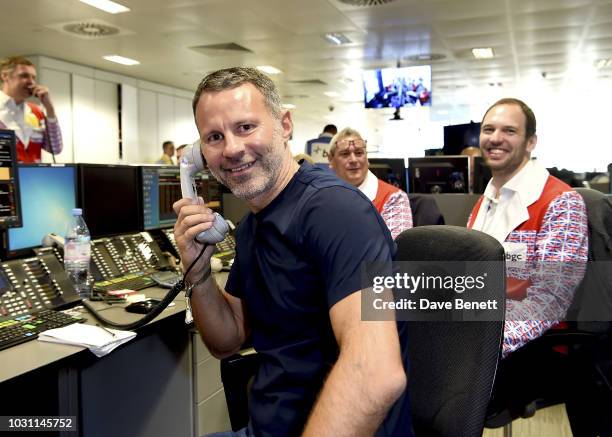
(77, 253)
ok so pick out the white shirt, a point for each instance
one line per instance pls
(500, 215)
(369, 186)
(13, 116)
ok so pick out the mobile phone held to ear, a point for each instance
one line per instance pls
(191, 164)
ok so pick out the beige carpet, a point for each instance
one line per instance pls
(548, 422)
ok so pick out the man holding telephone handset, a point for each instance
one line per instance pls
(34, 130)
(295, 284)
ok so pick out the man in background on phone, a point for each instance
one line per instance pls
(34, 130)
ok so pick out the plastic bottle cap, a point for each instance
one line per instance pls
(77, 211)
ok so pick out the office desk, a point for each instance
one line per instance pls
(142, 388)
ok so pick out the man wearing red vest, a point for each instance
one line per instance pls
(539, 219)
(34, 130)
(348, 158)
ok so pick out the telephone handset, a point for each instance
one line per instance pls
(192, 163)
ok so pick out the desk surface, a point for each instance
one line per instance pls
(32, 355)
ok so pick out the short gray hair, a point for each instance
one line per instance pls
(346, 132)
(229, 78)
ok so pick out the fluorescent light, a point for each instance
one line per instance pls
(107, 6)
(289, 106)
(331, 93)
(268, 69)
(483, 53)
(337, 38)
(121, 60)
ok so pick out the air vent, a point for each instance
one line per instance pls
(309, 82)
(220, 49)
(89, 29)
(366, 2)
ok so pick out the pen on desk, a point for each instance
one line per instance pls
(107, 330)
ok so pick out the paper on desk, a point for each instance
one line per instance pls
(96, 339)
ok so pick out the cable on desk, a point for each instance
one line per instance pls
(157, 309)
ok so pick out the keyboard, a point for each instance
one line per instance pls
(133, 281)
(19, 329)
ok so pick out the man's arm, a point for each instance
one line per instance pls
(52, 140)
(561, 256)
(366, 380)
(218, 315)
(397, 213)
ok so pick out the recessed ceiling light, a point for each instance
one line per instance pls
(268, 69)
(331, 93)
(121, 60)
(603, 63)
(337, 39)
(289, 106)
(107, 6)
(483, 53)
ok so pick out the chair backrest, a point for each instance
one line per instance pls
(592, 304)
(452, 364)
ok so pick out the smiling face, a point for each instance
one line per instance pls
(503, 141)
(245, 147)
(350, 160)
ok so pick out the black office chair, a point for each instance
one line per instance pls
(453, 363)
(425, 210)
(576, 361)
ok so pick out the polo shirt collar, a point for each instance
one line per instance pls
(369, 186)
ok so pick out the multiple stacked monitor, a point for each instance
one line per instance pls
(37, 199)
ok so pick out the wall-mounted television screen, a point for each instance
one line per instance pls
(397, 87)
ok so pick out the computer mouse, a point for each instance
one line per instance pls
(142, 307)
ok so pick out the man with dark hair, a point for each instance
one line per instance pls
(318, 148)
(179, 153)
(539, 219)
(295, 285)
(166, 158)
(34, 130)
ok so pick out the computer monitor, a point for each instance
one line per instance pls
(10, 208)
(439, 174)
(390, 170)
(161, 187)
(482, 175)
(110, 198)
(458, 137)
(48, 195)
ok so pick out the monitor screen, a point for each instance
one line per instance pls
(390, 170)
(48, 195)
(439, 174)
(110, 198)
(397, 87)
(10, 208)
(482, 175)
(458, 137)
(161, 187)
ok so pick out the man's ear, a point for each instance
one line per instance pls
(287, 126)
(531, 143)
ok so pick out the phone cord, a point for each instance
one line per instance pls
(157, 309)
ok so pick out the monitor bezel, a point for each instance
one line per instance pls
(80, 185)
(28, 251)
(19, 219)
(431, 159)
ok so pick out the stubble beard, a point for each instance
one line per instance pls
(265, 175)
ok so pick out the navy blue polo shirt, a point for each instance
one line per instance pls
(295, 259)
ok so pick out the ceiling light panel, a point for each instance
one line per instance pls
(121, 60)
(106, 6)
